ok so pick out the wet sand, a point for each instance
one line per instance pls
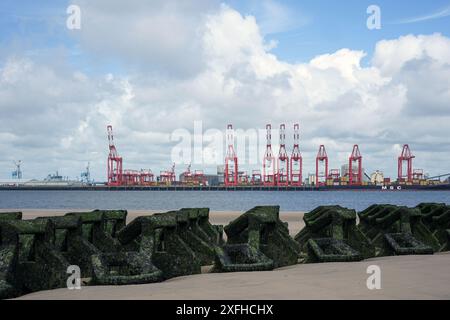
(407, 277)
(402, 277)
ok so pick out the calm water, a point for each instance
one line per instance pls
(215, 200)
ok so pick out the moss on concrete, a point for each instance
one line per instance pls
(259, 229)
(396, 230)
(436, 218)
(338, 225)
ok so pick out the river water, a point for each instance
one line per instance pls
(215, 200)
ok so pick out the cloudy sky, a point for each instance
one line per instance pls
(152, 67)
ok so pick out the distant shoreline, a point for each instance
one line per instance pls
(395, 188)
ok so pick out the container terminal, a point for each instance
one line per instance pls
(280, 172)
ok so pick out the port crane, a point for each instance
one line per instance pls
(296, 166)
(269, 160)
(17, 174)
(86, 176)
(114, 161)
(405, 156)
(321, 161)
(231, 160)
(283, 160)
(355, 175)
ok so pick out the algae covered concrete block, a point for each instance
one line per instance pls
(214, 232)
(241, 258)
(259, 229)
(262, 228)
(8, 262)
(40, 265)
(10, 216)
(331, 250)
(436, 217)
(191, 232)
(124, 268)
(346, 242)
(390, 229)
(406, 244)
(157, 237)
(35, 254)
(114, 221)
(99, 227)
(447, 247)
(69, 241)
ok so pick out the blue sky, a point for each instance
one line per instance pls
(325, 26)
(311, 27)
(152, 67)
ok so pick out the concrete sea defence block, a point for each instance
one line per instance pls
(241, 258)
(261, 234)
(69, 241)
(40, 266)
(99, 227)
(190, 231)
(331, 250)
(396, 230)
(345, 241)
(35, 254)
(157, 237)
(436, 217)
(10, 216)
(8, 262)
(124, 268)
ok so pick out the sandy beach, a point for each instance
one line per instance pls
(402, 277)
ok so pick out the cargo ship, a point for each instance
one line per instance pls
(181, 187)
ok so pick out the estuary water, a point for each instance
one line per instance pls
(215, 200)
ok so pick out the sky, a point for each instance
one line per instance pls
(150, 68)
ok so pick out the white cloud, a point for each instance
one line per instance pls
(391, 55)
(55, 119)
(149, 35)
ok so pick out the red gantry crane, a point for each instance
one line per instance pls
(146, 177)
(283, 160)
(321, 161)
(131, 177)
(406, 156)
(296, 159)
(243, 177)
(188, 176)
(256, 177)
(114, 162)
(355, 174)
(231, 160)
(193, 178)
(168, 177)
(269, 160)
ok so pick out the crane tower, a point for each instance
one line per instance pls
(269, 160)
(355, 175)
(114, 161)
(405, 156)
(321, 161)
(231, 160)
(296, 159)
(283, 160)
